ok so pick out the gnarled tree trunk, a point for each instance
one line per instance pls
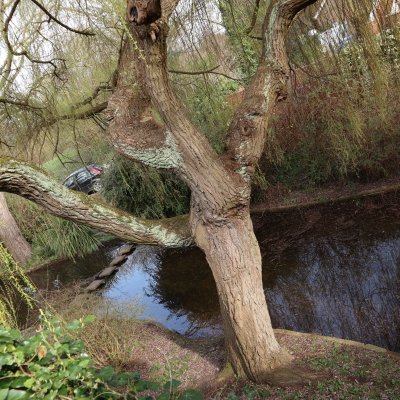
(221, 186)
(11, 235)
(219, 219)
(234, 257)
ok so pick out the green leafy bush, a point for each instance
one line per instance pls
(47, 365)
(52, 364)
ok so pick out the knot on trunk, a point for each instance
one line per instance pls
(145, 18)
(143, 12)
(281, 78)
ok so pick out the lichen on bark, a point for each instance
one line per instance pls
(31, 182)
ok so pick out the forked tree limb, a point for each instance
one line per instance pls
(194, 160)
(247, 132)
(148, 123)
(32, 183)
(199, 165)
(144, 91)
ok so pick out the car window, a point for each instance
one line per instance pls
(82, 176)
(69, 181)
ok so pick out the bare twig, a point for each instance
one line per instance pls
(23, 104)
(84, 114)
(203, 72)
(254, 17)
(57, 21)
(96, 92)
(12, 12)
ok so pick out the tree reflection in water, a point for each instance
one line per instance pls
(339, 277)
(348, 290)
(183, 283)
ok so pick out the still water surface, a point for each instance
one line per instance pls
(334, 273)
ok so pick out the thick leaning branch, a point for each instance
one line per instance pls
(247, 132)
(200, 166)
(32, 183)
(134, 129)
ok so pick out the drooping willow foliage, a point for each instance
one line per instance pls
(13, 283)
(143, 191)
(339, 121)
(51, 237)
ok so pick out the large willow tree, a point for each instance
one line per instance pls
(147, 123)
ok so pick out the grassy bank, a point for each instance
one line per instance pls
(323, 368)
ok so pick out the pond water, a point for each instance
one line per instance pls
(329, 271)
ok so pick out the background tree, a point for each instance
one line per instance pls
(11, 235)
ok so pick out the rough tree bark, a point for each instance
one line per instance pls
(219, 221)
(219, 216)
(11, 235)
(20, 178)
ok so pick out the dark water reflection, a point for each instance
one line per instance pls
(334, 272)
(339, 289)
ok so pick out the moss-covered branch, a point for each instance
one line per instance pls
(32, 183)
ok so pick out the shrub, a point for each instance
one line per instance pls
(47, 365)
(51, 364)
